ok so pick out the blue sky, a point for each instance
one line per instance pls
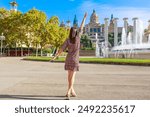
(66, 9)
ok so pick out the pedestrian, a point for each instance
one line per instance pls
(72, 44)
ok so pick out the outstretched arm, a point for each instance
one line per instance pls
(64, 46)
(83, 22)
(57, 54)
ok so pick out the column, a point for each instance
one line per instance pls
(135, 30)
(115, 31)
(126, 24)
(126, 27)
(106, 31)
(106, 37)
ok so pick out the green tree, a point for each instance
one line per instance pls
(34, 21)
(111, 38)
(31, 29)
(11, 28)
(20, 30)
(57, 34)
(44, 35)
(86, 42)
(4, 28)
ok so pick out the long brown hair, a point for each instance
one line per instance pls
(72, 35)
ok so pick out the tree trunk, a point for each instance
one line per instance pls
(16, 51)
(36, 50)
(28, 51)
(21, 51)
(8, 51)
(41, 51)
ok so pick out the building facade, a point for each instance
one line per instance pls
(94, 27)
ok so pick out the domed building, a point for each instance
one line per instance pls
(94, 27)
(94, 17)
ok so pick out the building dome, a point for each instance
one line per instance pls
(94, 17)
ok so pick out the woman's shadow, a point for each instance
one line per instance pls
(32, 97)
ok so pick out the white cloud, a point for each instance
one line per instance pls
(104, 11)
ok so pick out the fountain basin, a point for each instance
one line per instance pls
(143, 46)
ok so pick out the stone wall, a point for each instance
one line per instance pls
(136, 56)
(140, 55)
(87, 52)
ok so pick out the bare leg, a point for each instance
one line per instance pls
(69, 82)
(72, 82)
(71, 79)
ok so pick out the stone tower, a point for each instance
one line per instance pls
(75, 21)
(111, 26)
(94, 17)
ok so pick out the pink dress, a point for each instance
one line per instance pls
(72, 59)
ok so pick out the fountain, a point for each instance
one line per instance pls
(129, 38)
(132, 43)
(100, 48)
(97, 46)
(123, 37)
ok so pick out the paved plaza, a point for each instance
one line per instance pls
(21, 79)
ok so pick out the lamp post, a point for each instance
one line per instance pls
(2, 37)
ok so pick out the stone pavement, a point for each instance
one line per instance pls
(21, 79)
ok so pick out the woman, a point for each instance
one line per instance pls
(72, 59)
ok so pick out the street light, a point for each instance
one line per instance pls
(2, 37)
